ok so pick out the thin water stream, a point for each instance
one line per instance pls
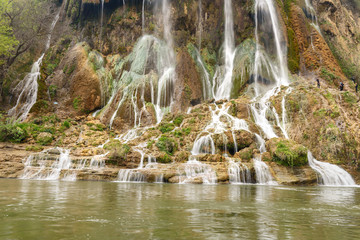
(101, 210)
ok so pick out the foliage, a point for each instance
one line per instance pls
(290, 154)
(120, 152)
(164, 159)
(7, 38)
(66, 124)
(178, 120)
(76, 103)
(12, 131)
(166, 127)
(166, 144)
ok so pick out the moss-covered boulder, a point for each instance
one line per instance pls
(243, 65)
(287, 152)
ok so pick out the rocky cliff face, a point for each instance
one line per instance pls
(105, 80)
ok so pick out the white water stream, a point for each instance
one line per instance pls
(223, 83)
(29, 85)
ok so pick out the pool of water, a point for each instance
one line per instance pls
(105, 210)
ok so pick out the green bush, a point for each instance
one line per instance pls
(164, 159)
(166, 127)
(288, 153)
(66, 124)
(178, 120)
(166, 144)
(120, 153)
(12, 132)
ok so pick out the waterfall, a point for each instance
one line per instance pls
(269, 73)
(311, 13)
(143, 17)
(238, 173)
(29, 86)
(102, 18)
(262, 172)
(195, 170)
(330, 174)
(224, 82)
(167, 80)
(56, 164)
(133, 175)
(204, 144)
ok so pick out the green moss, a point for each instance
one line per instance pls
(119, 153)
(328, 75)
(12, 132)
(166, 144)
(76, 103)
(164, 159)
(349, 97)
(166, 127)
(186, 131)
(290, 154)
(178, 120)
(320, 113)
(46, 140)
(293, 52)
(34, 148)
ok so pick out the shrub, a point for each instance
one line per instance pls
(166, 127)
(12, 132)
(166, 144)
(120, 153)
(178, 120)
(66, 124)
(288, 153)
(76, 103)
(164, 159)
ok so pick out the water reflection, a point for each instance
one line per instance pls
(71, 210)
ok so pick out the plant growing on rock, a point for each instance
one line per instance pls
(287, 152)
(166, 144)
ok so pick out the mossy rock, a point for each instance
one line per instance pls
(167, 145)
(287, 152)
(45, 138)
(243, 65)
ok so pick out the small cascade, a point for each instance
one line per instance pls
(133, 175)
(238, 173)
(56, 164)
(196, 171)
(262, 172)
(204, 144)
(223, 82)
(311, 14)
(330, 174)
(28, 87)
(40, 168)
(206, 83)
(263, 175)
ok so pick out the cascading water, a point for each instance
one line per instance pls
(330, 174)
(102, 18)
(238, 173)
(143, 17)
(269, 73)
(311, 13)
(223, 83)
(55, 164)
(152, 63)
(29, 86)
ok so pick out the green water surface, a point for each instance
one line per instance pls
(104, 210)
